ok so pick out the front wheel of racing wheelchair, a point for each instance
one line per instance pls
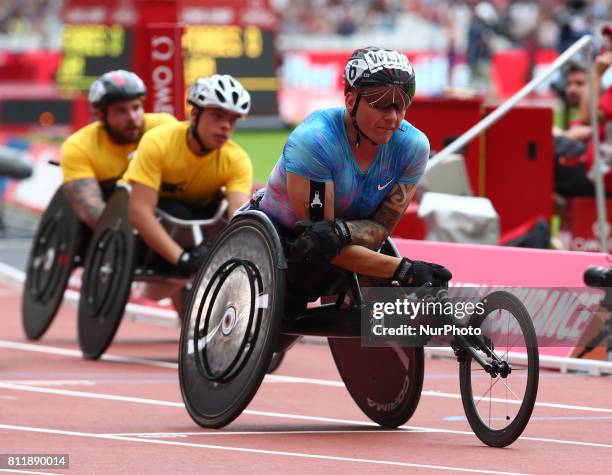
(499, 380)
(235, 322)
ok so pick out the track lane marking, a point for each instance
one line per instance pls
(253, 451)
(53, 350)
(261, 432)
(270, 378)
(91, 395)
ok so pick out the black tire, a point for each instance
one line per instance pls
(385, 382)
(223, 358)
(51, 261)
(470, 372)
(107, 279)
(276, 361)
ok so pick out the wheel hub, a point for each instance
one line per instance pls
(229, 321)
(48, 259)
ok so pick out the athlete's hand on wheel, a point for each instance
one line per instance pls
(322, 238)
(191, 260)
(417, 273)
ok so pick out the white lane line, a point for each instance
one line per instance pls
(538, 404)
(51, 382)
(12, 273)
(272, 378)
(261, 432)
(155, 402)
(325, 382)
(53, 350)
(253, 451)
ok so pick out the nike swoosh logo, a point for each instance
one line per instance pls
(385, 185)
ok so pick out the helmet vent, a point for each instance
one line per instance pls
(235, 97)
(220, 96)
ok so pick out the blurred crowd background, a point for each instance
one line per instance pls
(464, 25)
(467, 32)
(291, 53)
(473, 27)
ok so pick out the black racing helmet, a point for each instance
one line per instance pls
(372, 66)
(115, 86)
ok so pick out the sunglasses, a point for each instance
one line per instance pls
(386, 97)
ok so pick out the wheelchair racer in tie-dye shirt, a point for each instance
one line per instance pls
(347, 175)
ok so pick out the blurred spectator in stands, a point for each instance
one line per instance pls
(603, 96)
(479, 49)
(574, 22)
(380, 16)
(27, 24)
(571, 89)
(571, 137)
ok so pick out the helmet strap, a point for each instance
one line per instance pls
(194, 132)
(354, 123)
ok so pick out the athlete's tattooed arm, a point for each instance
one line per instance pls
(372, 232)
(85, 197)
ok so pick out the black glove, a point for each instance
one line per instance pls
(418, 273)
(191, 260)
(323, 238)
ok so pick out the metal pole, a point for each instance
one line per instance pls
(600, 198)
(511, 102)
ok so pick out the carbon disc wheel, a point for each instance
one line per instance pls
(51, 260)
(232, 323)
(385, 382)
(107, 277)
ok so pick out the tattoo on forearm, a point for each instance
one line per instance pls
(392, 209)
(367, 233)
(85, 197)
(372, 232)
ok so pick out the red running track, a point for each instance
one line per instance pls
(125, 414)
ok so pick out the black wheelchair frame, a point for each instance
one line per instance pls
(223, 355)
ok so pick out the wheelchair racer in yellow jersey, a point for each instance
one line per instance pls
(96, 156)
(185, 167)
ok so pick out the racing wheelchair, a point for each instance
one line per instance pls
(117, 257)
(248, 302)
(58, 247)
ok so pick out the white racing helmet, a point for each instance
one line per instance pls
(221, 91)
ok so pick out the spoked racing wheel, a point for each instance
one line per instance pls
(232, 321)
(498, 403)
(54, 250)
(107, 278)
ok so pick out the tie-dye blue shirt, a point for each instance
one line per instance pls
(318, 149)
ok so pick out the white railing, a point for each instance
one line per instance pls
(586, 42)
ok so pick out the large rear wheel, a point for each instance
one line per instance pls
(52, 258)
(232, 323)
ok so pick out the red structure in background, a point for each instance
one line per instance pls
(443, 120)
(511, 163)
(518, 165)
(158, 56)
(579, 228)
